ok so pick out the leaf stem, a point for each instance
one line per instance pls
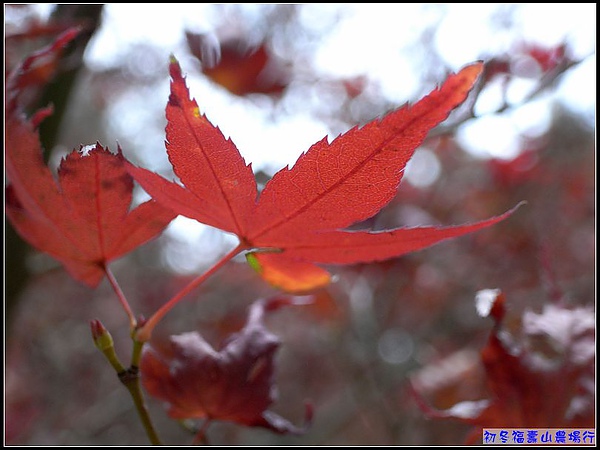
(145, 331)
(121, 296)
(131, 379)
(201, 437)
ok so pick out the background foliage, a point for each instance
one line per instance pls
(353, 352)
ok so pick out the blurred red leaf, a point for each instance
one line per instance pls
(299, 214)
(547, 57)
(526, 59)
(323, 306)
(83, 220)
(234, 383)
(355, 86)
(238, 67)
(37, 69)
(542, 379)
(514, 172)
(496, 67)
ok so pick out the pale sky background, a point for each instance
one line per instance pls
(356, 39)
(369, 38)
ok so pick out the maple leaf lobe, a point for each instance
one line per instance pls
(334, 185)
(174, 101)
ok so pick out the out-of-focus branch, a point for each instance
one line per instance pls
(59, 90)
(547, 81)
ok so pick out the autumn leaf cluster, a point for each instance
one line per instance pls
(308, 217)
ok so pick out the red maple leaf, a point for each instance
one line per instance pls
(36, 70)
(299, 217)
(83, 220)
(543, 378)
(237, 66)
(234, 383)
